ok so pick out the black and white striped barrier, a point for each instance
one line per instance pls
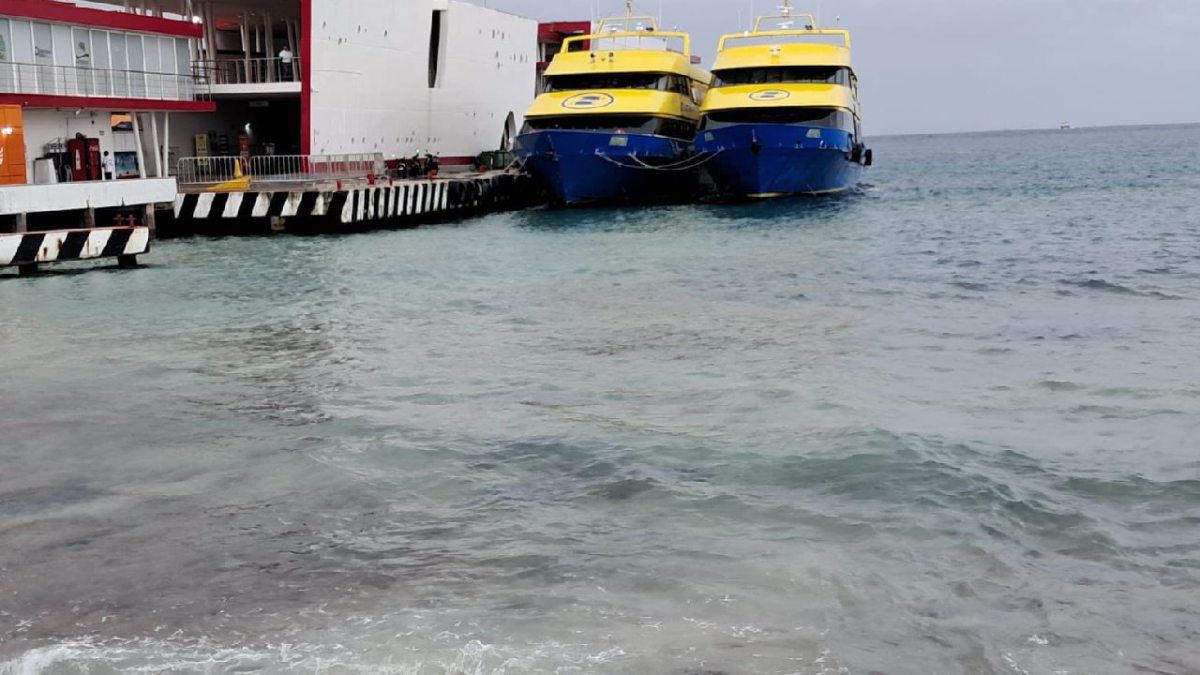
(406, 202)
(33, 248)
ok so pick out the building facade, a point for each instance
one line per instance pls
(156, 81)
(78, 77)
(332, 77)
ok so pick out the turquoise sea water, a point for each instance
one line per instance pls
(947, 425)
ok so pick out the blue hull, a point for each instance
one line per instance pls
(770, 160)
(585, 167)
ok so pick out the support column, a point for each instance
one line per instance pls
(21, 223)
(246, 43)
(137, 136)
(166, 144)
(157, 152)
(269, 47)
(210, 25)
(148, 220)
(89, 218)
(294, 49)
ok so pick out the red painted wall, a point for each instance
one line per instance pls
(59, 12)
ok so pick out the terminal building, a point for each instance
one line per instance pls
(154, 81)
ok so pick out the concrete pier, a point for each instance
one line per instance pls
(65, 222)
(332, 208)
(27, 250)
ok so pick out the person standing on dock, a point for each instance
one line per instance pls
(285, 64)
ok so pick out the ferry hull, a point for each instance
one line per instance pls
(765, 160)
(583, 167)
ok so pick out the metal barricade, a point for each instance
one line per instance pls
(209, 170)
(278, 168)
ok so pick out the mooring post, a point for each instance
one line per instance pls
(149, 221)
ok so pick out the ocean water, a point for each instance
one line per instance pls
(946, 425)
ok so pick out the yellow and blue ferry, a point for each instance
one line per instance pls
(783, 115)
(617, 116)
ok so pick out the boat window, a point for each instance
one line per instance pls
(783, 75)
(829, 118)
(616, 124)
(679, 84)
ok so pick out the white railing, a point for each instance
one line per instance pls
(30, 78)
(247, 71)
(278, 168)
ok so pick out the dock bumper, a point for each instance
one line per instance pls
(318, 209)
(26, 250)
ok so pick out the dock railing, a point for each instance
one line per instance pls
(278, 168)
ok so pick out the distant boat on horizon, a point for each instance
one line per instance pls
(1065, 126)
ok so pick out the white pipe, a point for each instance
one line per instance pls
(166, 145)
(154, 137)
(269, 37)
(137, 135)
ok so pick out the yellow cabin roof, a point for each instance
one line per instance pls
(625, 61)
(780, 96)
(614, 102)
(765, 55)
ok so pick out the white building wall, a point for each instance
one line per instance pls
(370, 83)
(490, 71)
(45, 126)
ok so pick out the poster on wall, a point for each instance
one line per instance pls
(202, 153)
(122, 122)
(127, 165)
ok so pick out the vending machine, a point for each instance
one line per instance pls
(84, 155)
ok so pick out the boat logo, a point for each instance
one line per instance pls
(588, 101)
(767, 95)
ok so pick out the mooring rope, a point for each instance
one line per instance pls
(684, 165)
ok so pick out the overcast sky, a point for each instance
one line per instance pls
(969, 65)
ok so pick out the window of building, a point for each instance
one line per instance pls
(137, 65)
(64, 54)
(51, 58)
(166, 65)
(43, 56)
(102, 60)
(118, 50)
(7, 72)
(437, 51)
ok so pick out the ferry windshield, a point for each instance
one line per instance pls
(654, 81)
(783, 75)
(614, 124)
(830, 118)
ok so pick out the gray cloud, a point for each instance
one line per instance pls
(965, 65)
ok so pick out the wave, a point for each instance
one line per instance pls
(1110, 287)
(107, 657)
